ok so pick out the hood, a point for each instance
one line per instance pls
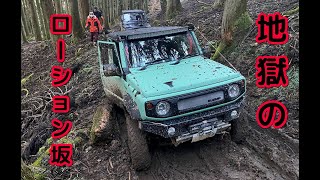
(164, 78)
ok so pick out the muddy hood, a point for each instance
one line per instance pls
(161, 79)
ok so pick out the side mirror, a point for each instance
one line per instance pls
(190, 26)
(111, 70)
(206, 51)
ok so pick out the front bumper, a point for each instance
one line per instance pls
(206, 123)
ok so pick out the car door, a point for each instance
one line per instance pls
(110, 70)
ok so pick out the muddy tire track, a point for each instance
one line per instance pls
(218, 159)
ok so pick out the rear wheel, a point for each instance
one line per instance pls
(139, 150)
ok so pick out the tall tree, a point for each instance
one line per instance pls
(67, 5)
(173, 7)
(131, 4)
(235, 23)
(145, 6)
(48, 11)
(84, 11)
(26, 11)
(23, 32)
(38, 16)
(45, 18)
(41, 21)
(163, 4)
(57, 4)
(105, 15)
(37, 32)
(76, 24)
(24, 22)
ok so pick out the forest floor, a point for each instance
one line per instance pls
(266, 154)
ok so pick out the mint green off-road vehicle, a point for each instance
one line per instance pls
(166, 87)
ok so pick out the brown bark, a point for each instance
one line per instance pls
(48, 11)
(40, 19)
(145, 5)
(131, 4)
(26, 11)
(35, 23)
(24, 22)
(105, 15)
(76, 24)
(68, 6)
(46, 17)
(57, 4)
(173, 8)
(163, 4)
(23, 32)
(235, 23)
(84, 11)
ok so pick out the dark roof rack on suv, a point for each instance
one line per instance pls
(146, 32)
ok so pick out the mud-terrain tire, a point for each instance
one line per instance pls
(103, 126)
(239, 129)
(138, 146)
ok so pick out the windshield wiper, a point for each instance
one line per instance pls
(148, 63)
(188, 55)
(176, 61)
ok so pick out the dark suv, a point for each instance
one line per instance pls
(133, 19)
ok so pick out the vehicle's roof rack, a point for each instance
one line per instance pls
(147, 32)
(132, 11)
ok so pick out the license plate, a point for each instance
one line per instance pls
(204, 135)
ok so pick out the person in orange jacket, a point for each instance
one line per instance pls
(94, 26)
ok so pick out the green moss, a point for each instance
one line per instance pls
(77, 141)
(45, 150)
(220, 48)
(95, 122)
(38, 166)
(292, 11)
(49, 141)
(37, 163)
(239, 30)
(243, 22)
(26, 172)
(42, 150)
(65, 140)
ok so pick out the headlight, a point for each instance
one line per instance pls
(162, 108)
(233, 90)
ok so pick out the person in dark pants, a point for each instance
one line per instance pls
(94, 26)
(98, 14)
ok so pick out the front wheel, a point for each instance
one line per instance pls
(239, 129)
(138, 147)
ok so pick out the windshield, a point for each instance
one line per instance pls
(133, 16)
(160, 49)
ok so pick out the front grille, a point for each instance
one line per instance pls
(199, 101)
(189, 102)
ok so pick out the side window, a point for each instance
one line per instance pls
(108, 54)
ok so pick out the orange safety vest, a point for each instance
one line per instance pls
(94, 24)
